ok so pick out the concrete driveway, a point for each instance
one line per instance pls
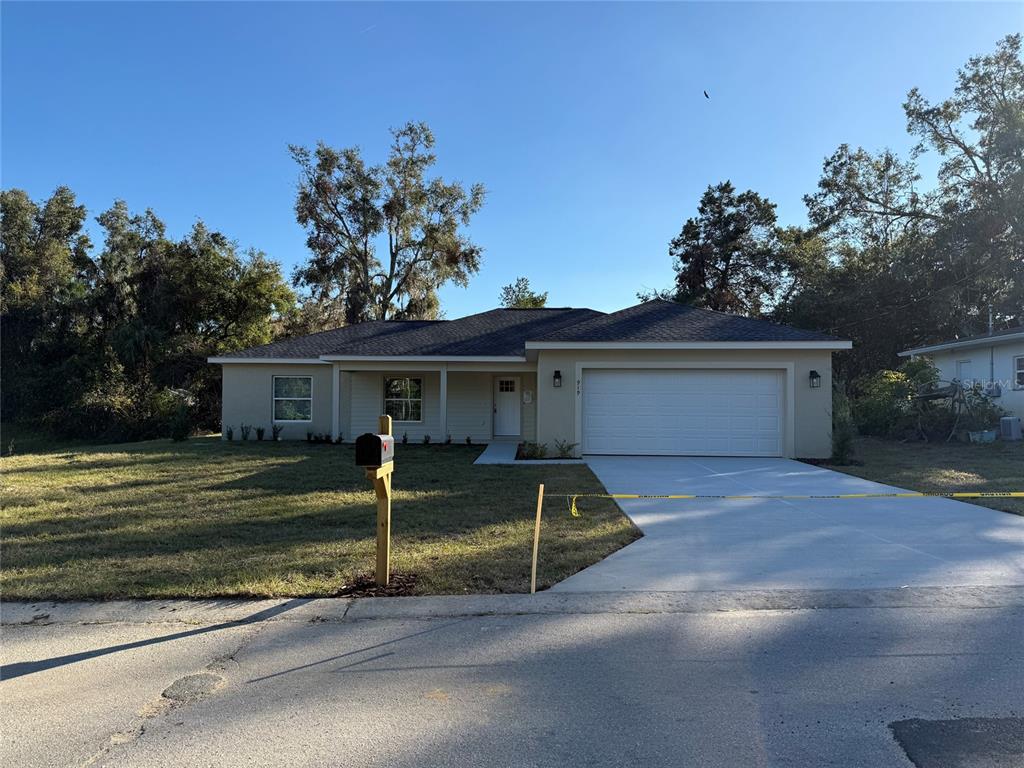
(792, 544)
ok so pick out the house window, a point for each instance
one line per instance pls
(1018, 372)
(293, 398)
(403, 399)
(506, 385)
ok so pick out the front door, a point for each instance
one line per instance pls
(506, 406)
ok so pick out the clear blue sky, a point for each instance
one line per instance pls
(586, 122)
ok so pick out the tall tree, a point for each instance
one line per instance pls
(729, 257)
(946, 254)
(383, 238)
(105, 346)
(518, 295)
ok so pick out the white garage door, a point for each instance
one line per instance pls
(683, 412)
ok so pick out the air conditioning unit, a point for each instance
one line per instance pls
(1009, 428)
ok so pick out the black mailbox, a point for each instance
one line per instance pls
(374, 450)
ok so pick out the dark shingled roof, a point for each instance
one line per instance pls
(504, 332)
(661, 320)
(497, 333)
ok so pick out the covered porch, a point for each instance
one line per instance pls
(483, 401)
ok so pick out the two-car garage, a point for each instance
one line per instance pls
(686, 411)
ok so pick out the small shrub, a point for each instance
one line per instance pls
(533, 451)
(246, 429)
(426, 439)
(275, 431)
(260, 432)
(448, 440)
(309, 436)
(469, 440)
(229, 433)
(843, 427)
(981, 413)
(405, 438)
(181, 426)
(565, 449)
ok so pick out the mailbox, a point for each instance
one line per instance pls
(374, 450)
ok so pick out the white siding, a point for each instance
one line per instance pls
(469, 406)
(991, 363)
(247, 398)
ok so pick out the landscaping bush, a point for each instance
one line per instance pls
(181, 425)
(843, 427)
(882, 403)
(981, 412)
(564, 449)
(533, 451)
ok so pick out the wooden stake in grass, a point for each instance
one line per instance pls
(536, 538)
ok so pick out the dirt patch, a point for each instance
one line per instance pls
(365, 585)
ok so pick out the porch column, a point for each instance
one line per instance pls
(444, 401)
(335, 398)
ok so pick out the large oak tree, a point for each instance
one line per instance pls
(384, 237)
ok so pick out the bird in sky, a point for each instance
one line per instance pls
(706, 95)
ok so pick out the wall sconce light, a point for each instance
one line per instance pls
(557, 380)
(815, 379)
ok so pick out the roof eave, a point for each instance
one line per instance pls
(985, 341)
(267, 360)
(834, 344)
(423, 358)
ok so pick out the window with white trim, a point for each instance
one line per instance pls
(1018, 372)
(403, 398)
(293, 398)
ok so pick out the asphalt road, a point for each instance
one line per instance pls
(735, 680)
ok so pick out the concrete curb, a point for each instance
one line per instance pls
(206, 612)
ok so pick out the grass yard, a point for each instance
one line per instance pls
(206, 518)
(944, 468)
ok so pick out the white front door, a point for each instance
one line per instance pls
(506, 406)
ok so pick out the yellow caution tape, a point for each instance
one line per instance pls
(902, 495)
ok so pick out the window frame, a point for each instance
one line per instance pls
(1018, 371)
(274, 398)
(384, 397)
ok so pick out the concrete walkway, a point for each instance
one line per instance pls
(793, 544)
(498, 452)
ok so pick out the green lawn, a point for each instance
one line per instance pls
(944, 468)
(206, 518)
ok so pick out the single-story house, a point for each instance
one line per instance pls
(993, 360)
(656, 378)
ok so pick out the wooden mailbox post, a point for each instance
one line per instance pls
(381, 479)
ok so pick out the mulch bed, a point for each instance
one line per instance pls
(365, 585)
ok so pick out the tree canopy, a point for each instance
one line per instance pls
(519, 295)
(383, 238)
(109, 344)
(886, 260)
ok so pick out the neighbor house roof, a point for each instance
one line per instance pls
(509, 333)
(1004, 336)
(669, 321)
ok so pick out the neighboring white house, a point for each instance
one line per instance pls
(993, 360)
(657, 378)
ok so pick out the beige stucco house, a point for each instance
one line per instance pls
(658, 378)
(994, 361)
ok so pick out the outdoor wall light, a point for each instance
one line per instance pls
(557, 380)
(815, 379)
